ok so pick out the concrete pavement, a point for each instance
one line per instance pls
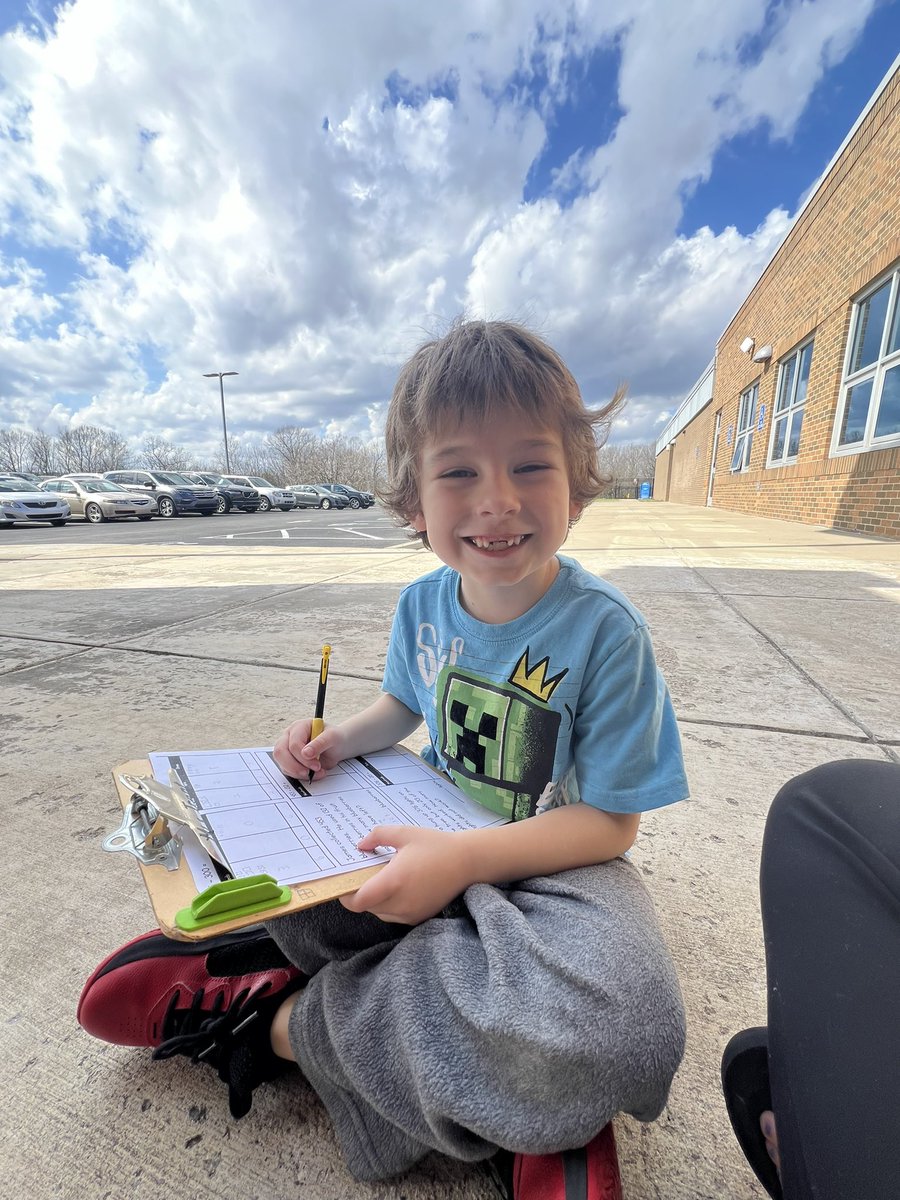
(781, 646)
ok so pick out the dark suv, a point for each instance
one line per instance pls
(175, 493)
(231, 495)
(357, 498)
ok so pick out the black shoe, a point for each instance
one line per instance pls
(745, 1082)
(213, 1001)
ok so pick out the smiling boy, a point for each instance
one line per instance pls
(496, 987)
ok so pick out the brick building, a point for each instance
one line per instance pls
(798, 415)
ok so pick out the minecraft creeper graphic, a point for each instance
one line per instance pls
(499, 740)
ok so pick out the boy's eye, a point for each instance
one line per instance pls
(457, 473)
(533, 467)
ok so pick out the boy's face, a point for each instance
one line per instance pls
(494, 498)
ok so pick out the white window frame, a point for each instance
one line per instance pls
(788, 414)
(743, 431)
(874, 371)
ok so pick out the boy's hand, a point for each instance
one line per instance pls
(426, 873)
(297, 755)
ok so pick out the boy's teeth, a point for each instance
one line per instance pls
(484, 543)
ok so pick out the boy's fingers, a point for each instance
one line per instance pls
(317, 746)
(372, 893)
(294, 747)
(286, 761)
(324, 742)
(296, 753)
(393, 836)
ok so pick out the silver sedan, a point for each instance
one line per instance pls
(99, 500)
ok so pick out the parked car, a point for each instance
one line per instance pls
(174, 492)
(100, 499)
(269, 495)
(231, 495)
(21, 502)
(21, 476)
(308, 496)
(356, 498)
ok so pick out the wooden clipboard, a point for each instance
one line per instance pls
(170, 891)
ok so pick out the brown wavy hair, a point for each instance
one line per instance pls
(478, 370)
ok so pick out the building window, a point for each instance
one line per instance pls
(868, 415)
(787, 420)
(743, 438)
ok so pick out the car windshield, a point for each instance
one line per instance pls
(97, 485)
(258, 482)
(24, 486)
(172, 477)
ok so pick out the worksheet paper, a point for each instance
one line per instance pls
(296, 831)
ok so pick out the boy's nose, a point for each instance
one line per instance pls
(498, 496)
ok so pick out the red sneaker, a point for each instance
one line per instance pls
(212, 1001)
(589, 1173)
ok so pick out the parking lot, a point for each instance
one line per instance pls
(781, 646)
(301, 527)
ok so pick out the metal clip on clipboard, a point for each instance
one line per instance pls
(146, 831)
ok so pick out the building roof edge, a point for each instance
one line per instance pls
(694, 402)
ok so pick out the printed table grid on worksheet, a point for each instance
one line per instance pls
(297, 831)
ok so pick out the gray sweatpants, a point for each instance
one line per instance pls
(525, 1016)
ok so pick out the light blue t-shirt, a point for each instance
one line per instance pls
(564, 703)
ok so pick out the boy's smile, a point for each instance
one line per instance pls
(495, 545)
(495, 502)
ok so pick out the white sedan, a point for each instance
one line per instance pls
(26, 505)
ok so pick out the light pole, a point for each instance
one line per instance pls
(218, 375)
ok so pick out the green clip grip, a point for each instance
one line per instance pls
(233, 898)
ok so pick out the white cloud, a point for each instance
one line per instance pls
(23, 303)
(181, 152)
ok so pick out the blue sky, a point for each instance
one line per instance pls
(754, 173)
(302, 197)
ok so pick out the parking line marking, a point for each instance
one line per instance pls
(208, 537)
(373, 536)
(300, 536)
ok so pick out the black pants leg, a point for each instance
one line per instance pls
(830, 892)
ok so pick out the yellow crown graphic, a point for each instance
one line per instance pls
(534, 679)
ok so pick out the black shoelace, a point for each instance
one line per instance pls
(198, 1033)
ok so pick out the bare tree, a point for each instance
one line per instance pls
(254, 459)
(373, 465)
(378, 463)
(159, 455)
(294, 454)
(295, 450)
(43, 453)
(329, 460)
(15, 450)
(90, 448)
(627, 465)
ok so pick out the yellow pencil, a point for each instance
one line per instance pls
(318, 723)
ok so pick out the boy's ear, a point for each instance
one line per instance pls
(575, 510)
(417, 522)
